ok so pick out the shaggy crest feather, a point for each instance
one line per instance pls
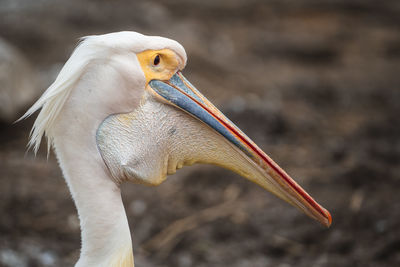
(53, 99)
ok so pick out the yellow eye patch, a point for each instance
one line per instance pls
(158, 64)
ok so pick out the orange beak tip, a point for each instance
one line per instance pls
(329, 218)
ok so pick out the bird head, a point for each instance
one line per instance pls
(153, 121)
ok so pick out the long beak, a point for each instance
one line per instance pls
(181, 93)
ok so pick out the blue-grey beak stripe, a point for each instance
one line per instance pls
(186, 103)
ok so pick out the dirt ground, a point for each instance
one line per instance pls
(315, 84)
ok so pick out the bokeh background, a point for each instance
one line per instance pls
(314, 83)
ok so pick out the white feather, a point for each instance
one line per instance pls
(102, 77)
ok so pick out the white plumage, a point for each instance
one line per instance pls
(120, 110)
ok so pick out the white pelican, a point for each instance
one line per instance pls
(121, 110)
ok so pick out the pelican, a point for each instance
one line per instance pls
(121, 110)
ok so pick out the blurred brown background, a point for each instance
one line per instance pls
(314, 83)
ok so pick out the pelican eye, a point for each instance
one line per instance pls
(156, 60)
